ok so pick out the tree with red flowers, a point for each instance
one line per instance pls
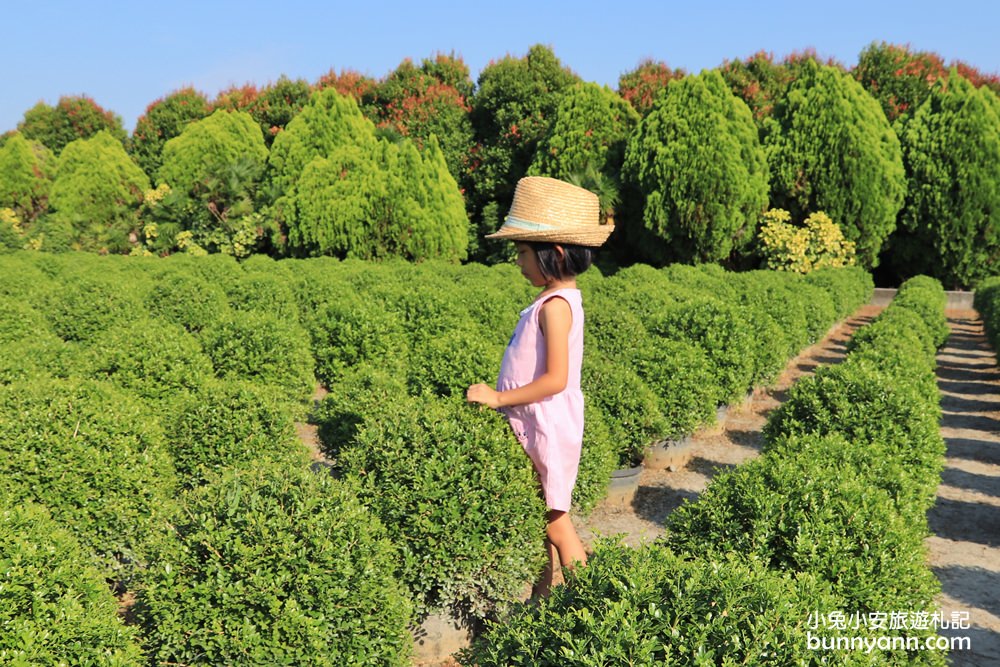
(417, 102)
(900, 79)
(514, 104)
(164, 119)
(74, 117)
(348, 83)
(640, 86)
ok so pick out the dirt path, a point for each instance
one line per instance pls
(964, 548)
(725, 445)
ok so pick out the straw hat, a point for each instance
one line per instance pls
(546, 209)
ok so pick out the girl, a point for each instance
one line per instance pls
(555, 225)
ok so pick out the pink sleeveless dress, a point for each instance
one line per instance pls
(551, 430)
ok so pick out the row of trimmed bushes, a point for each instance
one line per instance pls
(987, 302)
(830, 518)
(147, 391)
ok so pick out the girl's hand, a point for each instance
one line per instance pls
(485, 394)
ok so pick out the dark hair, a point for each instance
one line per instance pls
(576, 259)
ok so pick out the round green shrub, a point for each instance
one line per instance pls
(89, 304)
(858, 400)
(264, 292)
(23, 278)
(721, 330)
(775, 293)
(599, 457)
(793, 517)
(274, 565)
(260, 347)
(93, 456)
(447, 363)
(907, 471)
(925, 296)
(703, 279)
(684, 381)
(820, 311)
(55, 607)
(849, 287)
(631, 409)
(358, 391)
(44, 355)
(899, 328)
(353, 331)
(187, 299)
(649, 607)
(222, 423)
(149, 358)
(28, 347)
(458, 495)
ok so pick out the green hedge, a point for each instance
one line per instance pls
(94, 457)
(987, 302)
(55, 607)
(278, 566)
(457, 494)
(222, 423)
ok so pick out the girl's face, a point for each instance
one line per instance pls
(527, 260)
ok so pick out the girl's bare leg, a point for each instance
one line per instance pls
(564, 547)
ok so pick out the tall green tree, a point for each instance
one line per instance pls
(833, 150)
(514, 104)
(26, 171)
(590, 127)
(329, 121)
(73, 117)
(164, 119)
(213, 169)
(97, 192)
(389, 201)
(950, 223)
(701, 171)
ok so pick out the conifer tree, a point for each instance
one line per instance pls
(97, 191)
(590, 127)
(329, 121)
(833, 151)
(950, 223)
(701, 172)
(26, 171)
(213, 170)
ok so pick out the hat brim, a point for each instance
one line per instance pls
(591, 236)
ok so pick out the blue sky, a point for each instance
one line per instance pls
(125, 55)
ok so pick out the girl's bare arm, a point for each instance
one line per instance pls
(555, 319)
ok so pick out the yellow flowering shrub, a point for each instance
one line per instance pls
(817, 243)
